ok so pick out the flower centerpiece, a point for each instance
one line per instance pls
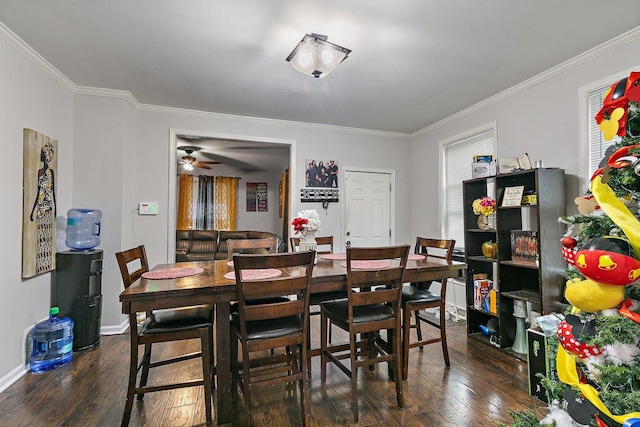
(307, 223)
(485, 208)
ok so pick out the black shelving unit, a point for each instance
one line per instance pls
(539, 284)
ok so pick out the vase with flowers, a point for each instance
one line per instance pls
(485, 208)
(307, 223)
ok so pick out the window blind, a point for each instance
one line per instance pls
(597, 144)
(457, 159)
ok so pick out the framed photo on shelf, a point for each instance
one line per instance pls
(512, 196)
(524, 246)
(524, 161)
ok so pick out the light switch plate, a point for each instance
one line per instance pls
(148, 208)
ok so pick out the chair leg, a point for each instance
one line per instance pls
(398, 377)
(206, 335)
(419, 328)
(133, 373)
(406, 333)
(246, 381)
(234, 368)
(304, 385)
(354, 375)
(443, 334)
(146, 360)
(323, 347)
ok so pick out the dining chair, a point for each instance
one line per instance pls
(325, 246)
(261, 325)
(251, 246)
(417, 296)
(176, 324)
(363, 314)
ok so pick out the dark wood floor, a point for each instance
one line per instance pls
(479, 389)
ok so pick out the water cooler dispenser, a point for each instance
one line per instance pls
(76, 288)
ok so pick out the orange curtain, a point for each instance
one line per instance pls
(185, 202)
(226, 196)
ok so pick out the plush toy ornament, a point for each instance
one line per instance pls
(608, 260)
(571, 343)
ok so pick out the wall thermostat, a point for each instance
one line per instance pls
(148, 208)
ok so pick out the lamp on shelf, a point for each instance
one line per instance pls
(316, 57)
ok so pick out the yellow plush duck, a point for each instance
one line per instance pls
(590, 296)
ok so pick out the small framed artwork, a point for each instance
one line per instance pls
(257, 197)
(512, 196)
(524, 161)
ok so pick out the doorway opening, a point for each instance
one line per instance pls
(249, 158)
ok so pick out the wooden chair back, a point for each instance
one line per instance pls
(363, 280)
(258, 299)
(248, 246)
(440, 248)
(124, 258)
(325, 244)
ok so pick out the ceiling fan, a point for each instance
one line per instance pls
(192, 161)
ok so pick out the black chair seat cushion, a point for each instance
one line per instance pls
(271, 328)
(339, 310)
(178, 319)
(412, 294)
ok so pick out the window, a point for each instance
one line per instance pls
(597, 144)
(457, 156)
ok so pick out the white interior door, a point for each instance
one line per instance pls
(367, 208)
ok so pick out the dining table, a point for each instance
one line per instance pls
(210, 286)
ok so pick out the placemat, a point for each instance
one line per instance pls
(415, 257)
(230, 263)
(172, 273)
(263, 273)
(367, 265)
(333, 257)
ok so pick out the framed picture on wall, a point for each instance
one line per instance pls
(321, 173)
(40, 166)
(257, 197)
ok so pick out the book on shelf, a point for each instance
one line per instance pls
(481, 290)
(524, 247)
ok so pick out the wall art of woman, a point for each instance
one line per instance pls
(44, 211)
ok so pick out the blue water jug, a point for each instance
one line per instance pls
(83, 229)
(52, 341)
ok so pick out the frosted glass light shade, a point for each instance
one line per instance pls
(316, 57)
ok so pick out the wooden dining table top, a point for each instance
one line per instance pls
(211, 286)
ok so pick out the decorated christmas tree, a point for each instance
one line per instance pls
(597, 351)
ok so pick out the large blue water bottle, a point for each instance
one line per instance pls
(83, 229)
(52, 342)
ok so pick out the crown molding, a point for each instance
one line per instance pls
(272, 122)
(35, 57)
(590, 54)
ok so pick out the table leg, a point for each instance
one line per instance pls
(223, 363)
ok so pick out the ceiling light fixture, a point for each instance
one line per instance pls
(188, 166)
(316, 57)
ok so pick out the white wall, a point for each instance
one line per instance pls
(31, 98)
(542, 120)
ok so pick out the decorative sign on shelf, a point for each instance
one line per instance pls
(512, 196)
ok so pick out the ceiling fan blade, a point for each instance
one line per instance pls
(200, 165)
(209, 162)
